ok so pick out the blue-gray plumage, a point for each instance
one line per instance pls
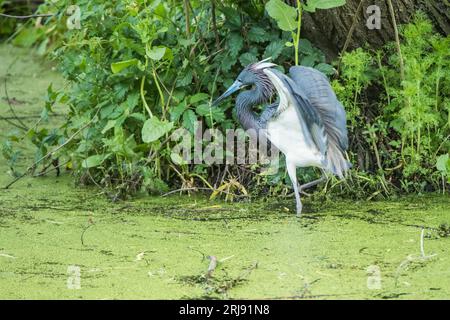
(307, 123)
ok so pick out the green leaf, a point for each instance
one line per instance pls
(305, 46)
(138, 116)
(308, 61)
(156, 53)
(93, 161)
(206, 111)
(109, 125)
(175, 113)
(186, 80)
(203, 110)
(233, 18)
(218, 114)
(258, 34)
(154, 129)
(198, 97)
(116, 67)
(274, 49)
(163, 30)
(443, 164)
(42, 48)
(227, 62)
(325, 68)
(247, 58)
(189, 120)
(323, 4)
(235, 43)
(283, 14)
(28, 36)
(132, 100)
(177, 159)
(160, 10)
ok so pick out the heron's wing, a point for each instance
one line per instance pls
(321, 95)
(291, 95)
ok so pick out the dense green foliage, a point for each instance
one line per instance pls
(403, 136)
(139, 69)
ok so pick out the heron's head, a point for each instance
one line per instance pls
(252, 76)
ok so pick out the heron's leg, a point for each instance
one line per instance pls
(293, 176)
(313, 183)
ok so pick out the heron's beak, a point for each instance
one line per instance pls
(232, 89)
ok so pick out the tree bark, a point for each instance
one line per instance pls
(331, 29)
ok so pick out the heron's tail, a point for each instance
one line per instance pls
(337, 163)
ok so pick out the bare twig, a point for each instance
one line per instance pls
(22, 124)
(8, 119)
(28, 16)
(397, 40)
(242, 277)
(203, 255)
(45, 171)
(350, 32)
(29, 117)
(411, 258)
(30, 168)
(90, 224)
(214, 23)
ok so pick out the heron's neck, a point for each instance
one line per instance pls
(245, 102)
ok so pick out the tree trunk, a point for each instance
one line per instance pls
(345, 27)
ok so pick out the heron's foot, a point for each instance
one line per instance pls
(308, 185)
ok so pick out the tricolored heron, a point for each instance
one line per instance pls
(307, 123)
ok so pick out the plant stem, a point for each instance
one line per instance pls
(214, 23)
(187, 17)
(384, 77)
(143, 98)
(299, 26)
(350, 33)
(397, 40)
(161, 95)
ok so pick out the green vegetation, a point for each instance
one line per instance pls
(144, 70)
(138, 70)
(149, 68)
(408, 128)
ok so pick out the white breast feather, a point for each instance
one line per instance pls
(285, 132)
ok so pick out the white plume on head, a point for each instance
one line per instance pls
(263, 64)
